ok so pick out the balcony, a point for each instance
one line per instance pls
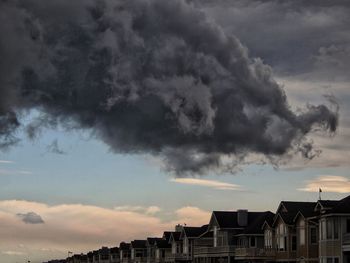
(224, 250)
(179, 257)
(254, 253)
(346, 242)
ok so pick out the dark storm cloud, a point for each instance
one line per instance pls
(289, 35)
(31, 218)
(146, 76)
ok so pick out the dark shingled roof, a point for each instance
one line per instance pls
(166, 235)
(152, 240)
(255, 227)
(228, 219)
(343, 206)
(328, 203)
(208, 234)
(176, 235)
(138, 244)
(124, 246)
(163, 243)
(114, 250)
(305, 208)
(295, 207)
(192, 232)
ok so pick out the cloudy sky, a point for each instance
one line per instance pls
(120, 119)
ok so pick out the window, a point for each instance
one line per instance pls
(336, 228)
(302, 232)
(268, 238)
(313, 235)
(215, 236)
(173, 248)
(329, 230)
(329, 260)
(323, 230)
(294, 243)
(281, 237)
(252, 242)
(185, 248)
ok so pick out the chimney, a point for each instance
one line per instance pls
(178, 228)
(242, 217)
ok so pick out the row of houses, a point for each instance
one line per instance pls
(298, 232)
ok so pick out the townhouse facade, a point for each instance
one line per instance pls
(298, 232)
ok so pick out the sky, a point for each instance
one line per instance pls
(120, 120)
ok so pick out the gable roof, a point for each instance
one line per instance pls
(343, 206)
(163, 243)
(228, 219)
(292, 208)
(175, 236)
(138, 243)
(326, 204)
(255, 227)
(114, 250)
(124, 246)
(152, 240)
(192, 232)
(166, 235)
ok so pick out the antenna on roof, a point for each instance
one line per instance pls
(319, 193)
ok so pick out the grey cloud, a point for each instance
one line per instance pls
(286, 34)
(31, 218)
(54, 148)
(146, 76)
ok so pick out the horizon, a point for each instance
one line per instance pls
(115, 115)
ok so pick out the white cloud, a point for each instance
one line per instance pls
(148, 210)
(207, 183)
(328, 183)
(12, 253)
(80, 228)
(6, 162)
(193, 216)
(15, 172)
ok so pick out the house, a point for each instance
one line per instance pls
(125, 252)
(285, 229)
(138, 251)
(114, 256)
(176, 247)
(151, 249)
(250, 242)
(188, 236)
(306, 222)
(90, 257)
(225, 227)
(103, 255)
(163, 251)
(77, 258)
(95, 256)
(334, 230)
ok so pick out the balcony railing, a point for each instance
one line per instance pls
(214, 250)
(179, 256)
(254, 253)
(346, 239)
